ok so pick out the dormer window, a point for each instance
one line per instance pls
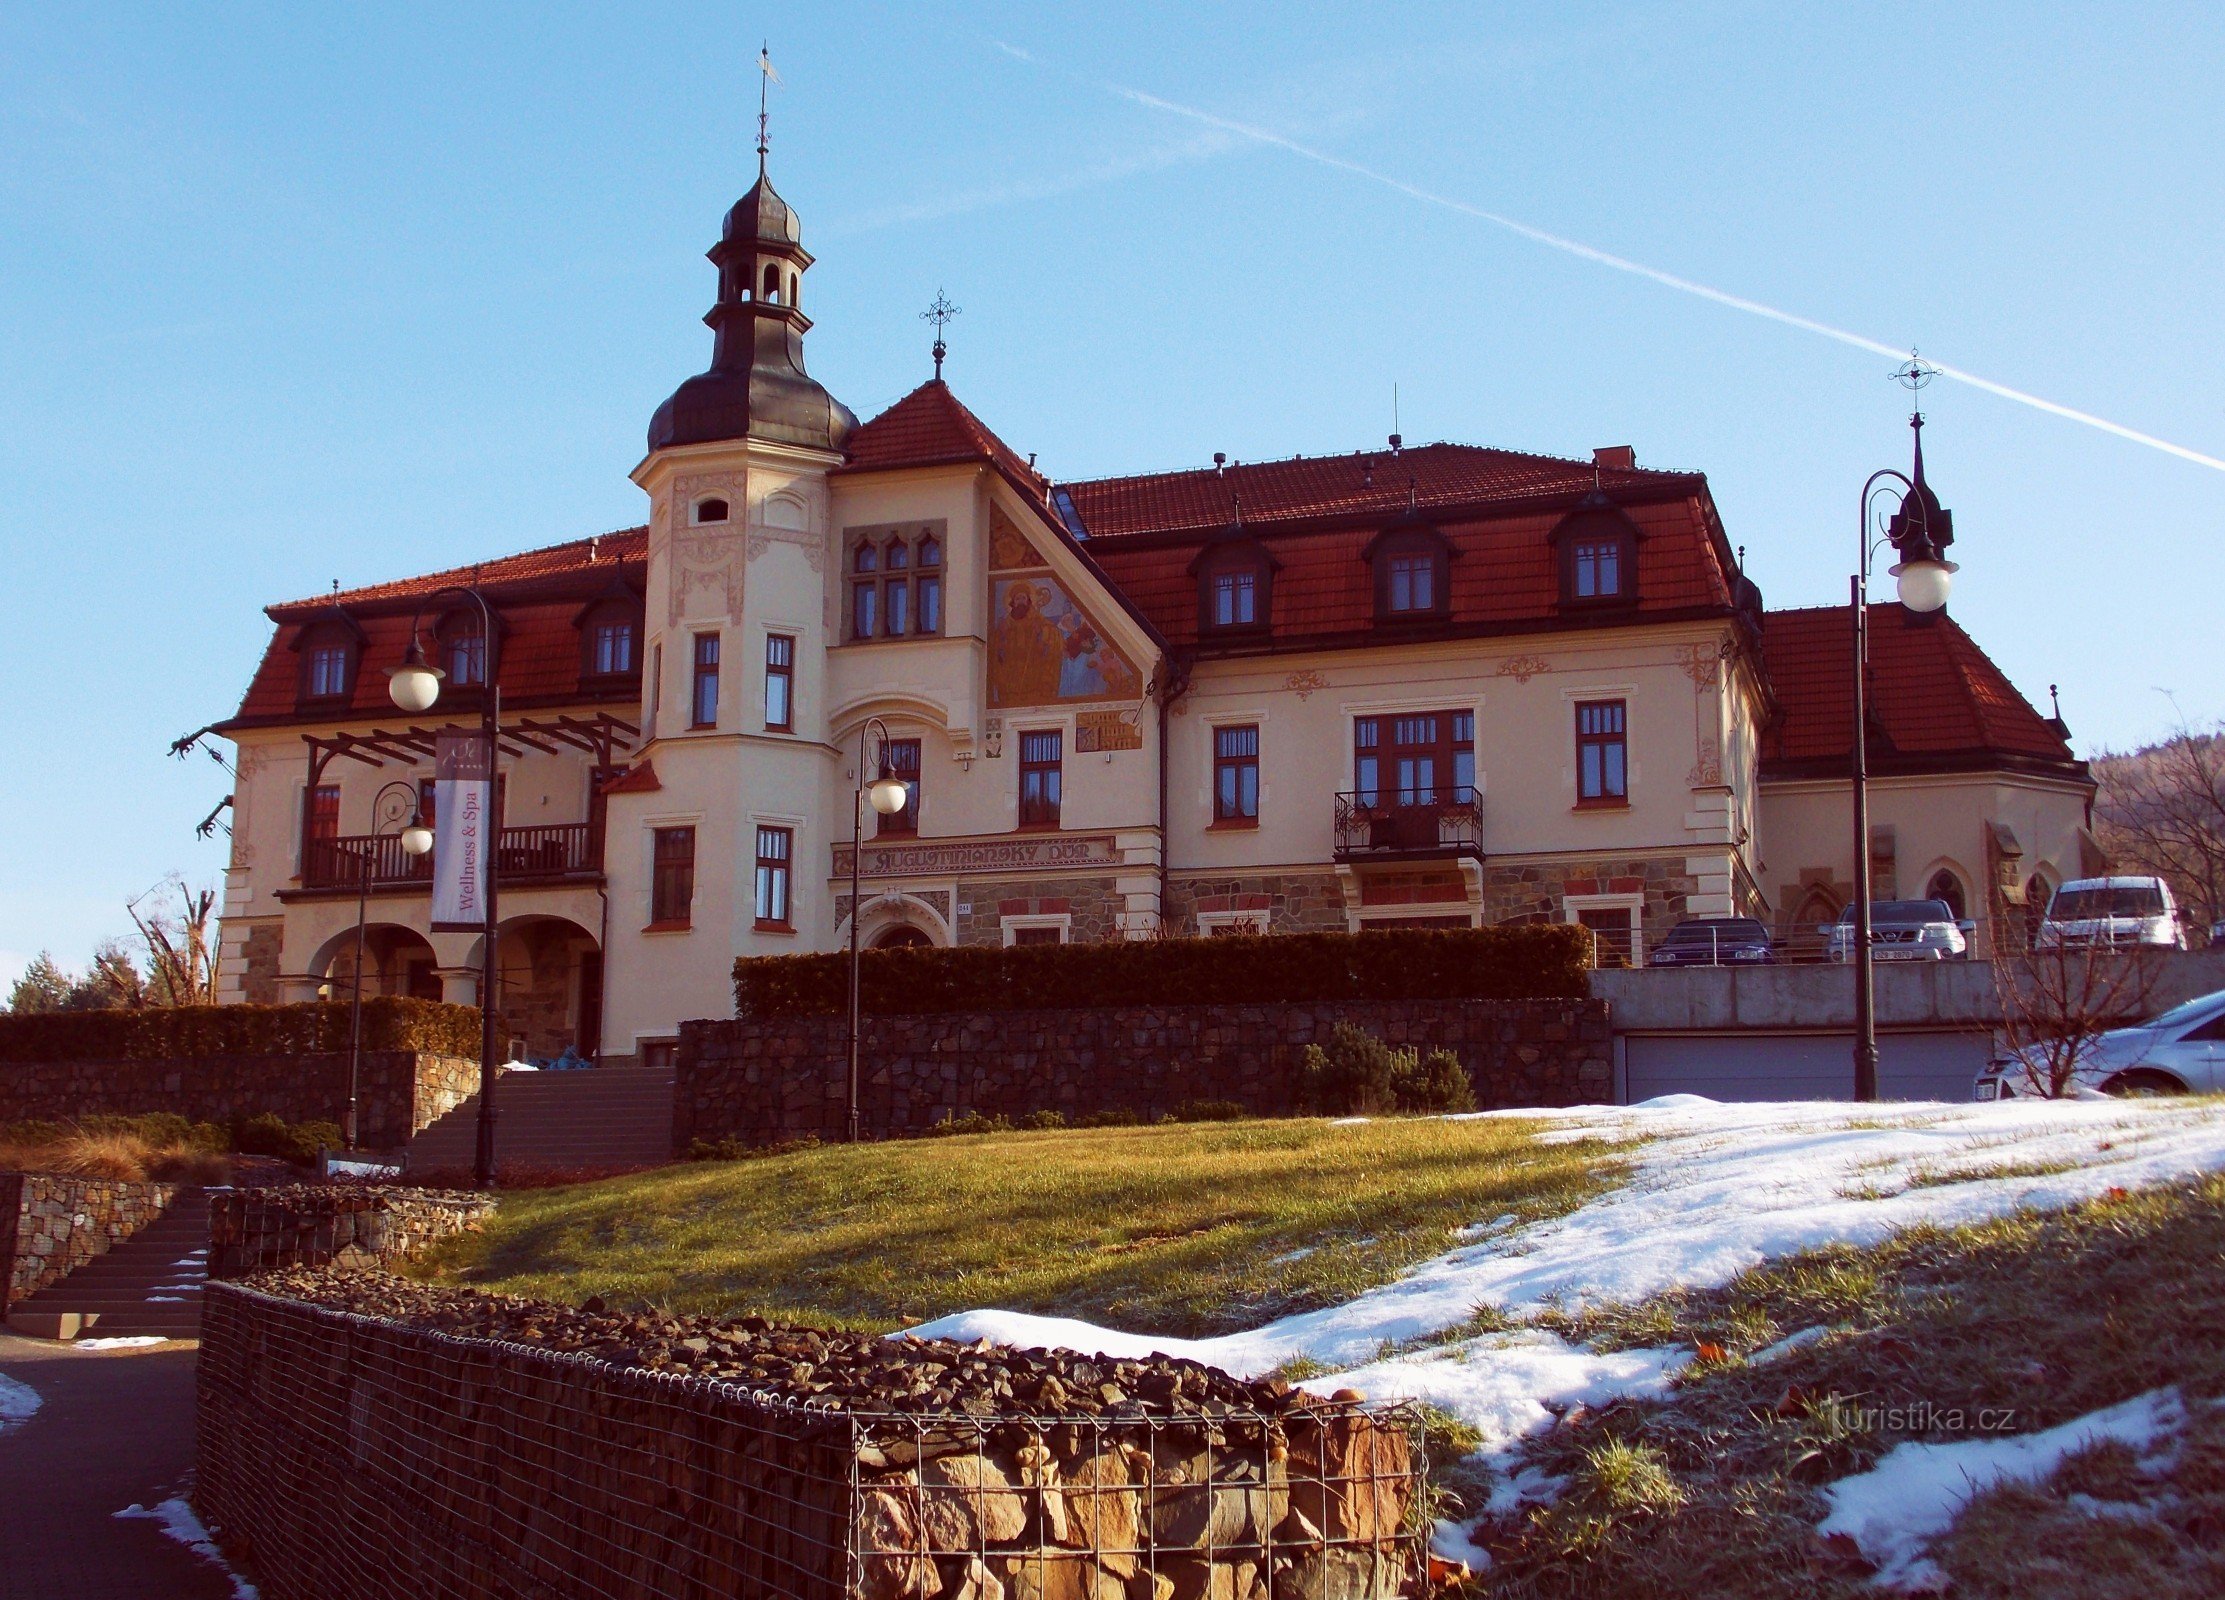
(327, 670)
(710, 510)
(1235, 586)
(330, 648)
(1596, 569)
(463, 654)
(1597, 545)
(1234, 601)
(610, 638)
(1412, 581)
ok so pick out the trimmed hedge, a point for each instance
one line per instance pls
(1520, 963)
(173, 1033)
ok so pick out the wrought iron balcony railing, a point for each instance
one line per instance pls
(558, 850)
(1387, 824)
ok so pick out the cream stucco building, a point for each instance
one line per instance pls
(1441, 684)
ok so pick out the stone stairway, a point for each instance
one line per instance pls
(148, 1285)
(596, 1117)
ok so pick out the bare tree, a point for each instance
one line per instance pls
(2056, 1001)
(2161, 809)
(181, 965)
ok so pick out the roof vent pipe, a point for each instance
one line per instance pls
(1220, 461)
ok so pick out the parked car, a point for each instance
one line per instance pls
(1903, 930)
(2111, 912)
(2178, 1052)
(1713, 942)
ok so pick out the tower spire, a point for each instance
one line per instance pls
(766, 78)
(939, 314)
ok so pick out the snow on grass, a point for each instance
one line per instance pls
(1913, 1495)
(179, 1522)
(18, 1403)
(133, 1341)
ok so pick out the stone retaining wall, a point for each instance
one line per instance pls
(762, 1081)
(399, 1091)
(341, 1226)
(50, 1226)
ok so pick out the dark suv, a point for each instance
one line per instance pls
(1714, 942)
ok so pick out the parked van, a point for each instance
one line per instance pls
(2111, 912)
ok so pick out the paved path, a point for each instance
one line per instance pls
(114, 1428)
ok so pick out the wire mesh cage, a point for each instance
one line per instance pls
(351, 1457)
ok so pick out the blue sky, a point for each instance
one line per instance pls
(293, 295)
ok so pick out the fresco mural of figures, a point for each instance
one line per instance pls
(1043, 648)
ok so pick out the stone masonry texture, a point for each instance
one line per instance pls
(399, 1092)
(51, 1226)
(763, 1081)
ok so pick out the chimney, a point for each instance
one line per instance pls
(1621, 457)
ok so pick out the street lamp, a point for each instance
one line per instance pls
(416, 840)
(886, 794)
(1919, 533)
(414, 686)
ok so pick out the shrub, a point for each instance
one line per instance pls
(269, 1134)
(171, 1033)
(1358, 1074)
(1042, 1119)
(1110, 1117)
(971, 1122)
(733, 1149)
(1209, 1111)
(1401, 964)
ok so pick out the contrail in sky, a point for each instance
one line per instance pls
(1636, 268)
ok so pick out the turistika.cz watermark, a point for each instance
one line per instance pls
(1916, 1417)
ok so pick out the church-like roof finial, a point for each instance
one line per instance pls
(939, 314)
(765, 80)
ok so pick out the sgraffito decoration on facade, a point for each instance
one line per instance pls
(1043, 647)
(1106, 730)
(943, 857)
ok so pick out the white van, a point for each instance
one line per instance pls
(2111, 912)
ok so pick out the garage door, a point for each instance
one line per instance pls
(1801, 1066)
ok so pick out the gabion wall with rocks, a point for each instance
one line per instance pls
(399, 1091)
(365, 1436)
(763, 1080)
(50, 1226)
(346, 1226)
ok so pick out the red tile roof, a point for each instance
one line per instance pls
(538, 594)
(1938, 703)
(1377, 484)
(930, 427)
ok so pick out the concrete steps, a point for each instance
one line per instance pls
(149, 1284)
(596, 1117)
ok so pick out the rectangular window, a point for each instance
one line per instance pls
(1038, 936)
(1413, 583)
(865, 610)
(467, 661)
(1235, 599)
(1431, 758)
(897, 595)
(328, 671)
(706, 680)
(1367, 765)
(427, 790)
(324, 811)
(1602, 771)
(1614, 934)
(774, 847)
(900, 759)
(1236, 775)
(1039, 778)
(930, 604)
(672, 878)
(613, 648)
(1598, 569)
(780, 683)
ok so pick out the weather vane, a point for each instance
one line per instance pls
(939, 314)
(766, 79)
(1914, 373)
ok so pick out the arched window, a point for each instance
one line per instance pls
(772, 283)
(896, 583)
(1946, 886)
(711, 510)
(792, 300)
(2036, 893)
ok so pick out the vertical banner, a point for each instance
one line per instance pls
(463, 831)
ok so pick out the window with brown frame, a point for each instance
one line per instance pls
(1040, 778)
(775, 847)
(1599, 567)
(1233, 592)
(1051, 935)
(1236, 776)
(706, 680)
(463, 650)
(896, 585)
(672, 878)
(1426, 758)
(328, 665)
(1602, 753)
(900, 759)
(610, 641)
(780, 683)
(324, 812)
(1411, 581)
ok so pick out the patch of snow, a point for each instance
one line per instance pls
(179, 1522)
(1349, 1122)
(193, 1260)
(19, 1402)
(1714, 1189)
(361, 1169)
(1450, 1540)
(1913, 1495)
(166, 1299)
(1787, 1345)
(134, 1341)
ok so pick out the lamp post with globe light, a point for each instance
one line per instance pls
(416, 840)
(414, 686)
(1919, 533)
(887, 795)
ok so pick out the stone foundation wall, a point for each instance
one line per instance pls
(347, 1227)
(398, 1092)
(1093, 904)
(762, 1081)
(1533, 891)
(50, 1226)
(1295, 902)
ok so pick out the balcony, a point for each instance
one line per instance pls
(1389, 826)
(523, 855)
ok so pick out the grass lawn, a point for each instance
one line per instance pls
(1188, 1229)
(2043, 1316)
